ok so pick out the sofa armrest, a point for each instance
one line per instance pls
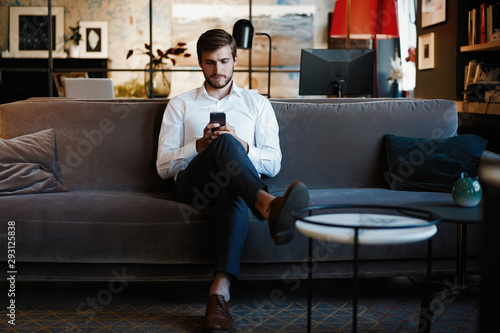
(489, 157)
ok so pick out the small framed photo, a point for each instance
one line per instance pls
(426, 51)
(433, 12)
(29, 32)
(94, 42)
(60, 77)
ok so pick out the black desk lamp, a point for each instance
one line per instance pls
(243, 33)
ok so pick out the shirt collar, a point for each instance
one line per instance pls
(234, 90)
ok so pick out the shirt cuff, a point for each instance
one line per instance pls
(190, 150)
(253, 154)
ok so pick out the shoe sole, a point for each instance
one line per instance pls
(297, 198)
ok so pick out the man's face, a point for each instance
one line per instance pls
(218, 67)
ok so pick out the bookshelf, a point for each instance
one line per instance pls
(476, 117)
(478, 108)
(474, 22)
(491, 46)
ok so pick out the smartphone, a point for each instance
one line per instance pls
(219, 118)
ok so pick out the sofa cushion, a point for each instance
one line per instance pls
(102, 145)
(140, 228)
(106, 227)
(431, 164)
(28, 164)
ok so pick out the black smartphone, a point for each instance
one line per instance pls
(219, 118)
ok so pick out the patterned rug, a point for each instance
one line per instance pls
(282, 312)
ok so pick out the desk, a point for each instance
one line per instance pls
(365, 225)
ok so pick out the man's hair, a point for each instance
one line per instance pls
(213, 40)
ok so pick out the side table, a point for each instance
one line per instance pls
(364, 225)
(461, 216)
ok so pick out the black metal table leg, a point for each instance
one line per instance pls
(426, 313)
(356, 282)
(309, 287)
(461, 253)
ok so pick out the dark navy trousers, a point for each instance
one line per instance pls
(223, 176)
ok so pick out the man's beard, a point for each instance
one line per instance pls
(216, 85)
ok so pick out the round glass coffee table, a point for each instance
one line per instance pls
(364, 225)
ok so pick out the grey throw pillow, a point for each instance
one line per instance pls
(28, 164)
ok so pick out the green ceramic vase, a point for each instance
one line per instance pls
(467, 192)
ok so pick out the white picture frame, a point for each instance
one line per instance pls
(426, 51)
(94, 43)
(433, 12)
(27, 36)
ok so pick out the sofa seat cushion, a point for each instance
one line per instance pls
(372, 196)
(141, 228)
(102, 227)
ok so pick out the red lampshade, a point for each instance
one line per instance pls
(387, 26)
(368, 19)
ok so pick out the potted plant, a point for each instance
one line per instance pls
(76, 37)
(161, 63)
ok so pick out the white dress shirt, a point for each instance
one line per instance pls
(188, 114)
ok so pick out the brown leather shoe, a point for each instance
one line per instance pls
(217, 316)
(281, 221)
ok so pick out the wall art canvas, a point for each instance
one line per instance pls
(291, 28)
(29, 32)
(426, 51)
(94, 42)
(433, 12)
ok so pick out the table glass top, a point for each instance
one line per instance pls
(374, 229)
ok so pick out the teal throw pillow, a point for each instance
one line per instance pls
(420, 164)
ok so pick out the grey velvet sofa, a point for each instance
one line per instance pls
(117, 216)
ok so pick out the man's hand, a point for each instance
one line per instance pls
(228, 129)
(209, 136)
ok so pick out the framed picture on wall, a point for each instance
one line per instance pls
(94, 42)
(426, 51)
(29, 32)
(433, 12)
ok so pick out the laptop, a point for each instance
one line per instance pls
(83, 88)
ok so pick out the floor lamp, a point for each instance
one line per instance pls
(243, 33)
(365, 19)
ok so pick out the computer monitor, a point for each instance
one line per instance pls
(337, 72)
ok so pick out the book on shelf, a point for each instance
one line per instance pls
(489, 23)
(470, 73)
(483, 24)
(472, 26)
